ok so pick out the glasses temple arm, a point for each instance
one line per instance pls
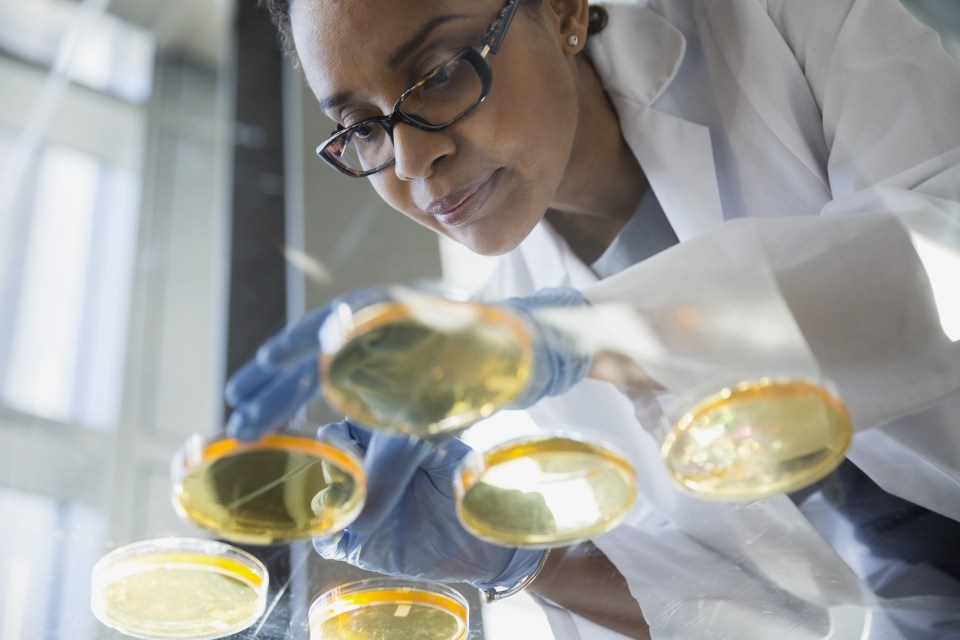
(493, 38)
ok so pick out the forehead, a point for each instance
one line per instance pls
(345, 44)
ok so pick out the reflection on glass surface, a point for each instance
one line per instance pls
(113, 258)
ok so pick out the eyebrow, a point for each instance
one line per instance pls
(335, 100)
(398, 56)
(402, 52)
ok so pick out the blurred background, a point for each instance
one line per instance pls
(161, 214)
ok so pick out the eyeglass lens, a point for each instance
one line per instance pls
(446, 93)
(442, 96)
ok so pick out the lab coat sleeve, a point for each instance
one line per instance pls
(866, 288)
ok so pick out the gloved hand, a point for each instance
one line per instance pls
(268, 391)
(284, 376)
(409, 525)
(558, 361)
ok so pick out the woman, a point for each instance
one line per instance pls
(610, 155)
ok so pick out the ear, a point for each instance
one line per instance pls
(573, 18)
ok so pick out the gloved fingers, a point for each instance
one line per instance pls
(333, 547)
(345, 432)
(297, 341)
(522, 563)
(442, 465)
(247, 381)
(389, 464)
(275, 403)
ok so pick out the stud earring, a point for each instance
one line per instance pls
(573, 40)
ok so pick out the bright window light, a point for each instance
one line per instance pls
(66, 304)
(110, 54)
(51, 290)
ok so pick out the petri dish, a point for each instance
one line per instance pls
(178, 588)
(389, 609)
(544, 491)
(281, 488)
(409, 362)
(757, 438)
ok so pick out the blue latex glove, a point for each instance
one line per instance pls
(409, 525)
(558, 362)
(268, 391)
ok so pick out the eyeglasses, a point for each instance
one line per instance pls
(438, 100)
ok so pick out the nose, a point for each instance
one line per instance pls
(417, 152)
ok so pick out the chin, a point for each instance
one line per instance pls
(486, 245)
(491, 237)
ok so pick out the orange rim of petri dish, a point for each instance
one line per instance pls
(285, 442)
(188, 559)
(762, 388)
(349, 602)
(353, 596)
(375, 315)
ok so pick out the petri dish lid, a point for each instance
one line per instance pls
(756, 438)
(544, 491)
(178, 588)
(403, 361)
(281, 488)
(389, 609)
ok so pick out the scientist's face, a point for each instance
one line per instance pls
(487, 180)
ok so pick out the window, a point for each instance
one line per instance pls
(66, 271)
(82, 42)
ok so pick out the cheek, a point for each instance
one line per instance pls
(397, 195)
(536, 121)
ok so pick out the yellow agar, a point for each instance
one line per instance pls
(390, 614)
(544, 492)
(279, 489)
(397, 373)
(758, 439)
(180, 595)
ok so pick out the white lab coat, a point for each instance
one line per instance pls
(830, 131)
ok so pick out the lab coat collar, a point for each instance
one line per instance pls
(654, 47)
(637, 57)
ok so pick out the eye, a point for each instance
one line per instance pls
(362, 132)
(443, 75)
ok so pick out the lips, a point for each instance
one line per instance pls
(459, 206)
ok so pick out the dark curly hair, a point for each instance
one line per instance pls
(279, 11)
